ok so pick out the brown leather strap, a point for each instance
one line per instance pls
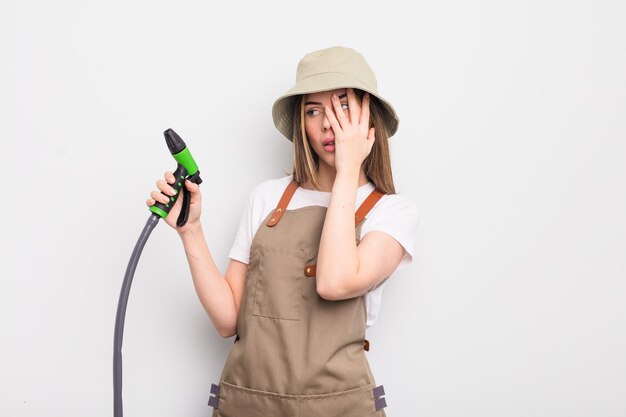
(282, 204)
(367, 205)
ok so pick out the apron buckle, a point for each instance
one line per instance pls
(214, 399)
(379, 399)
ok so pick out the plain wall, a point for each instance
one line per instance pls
(512, 142)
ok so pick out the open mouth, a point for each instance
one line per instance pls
(329, 146)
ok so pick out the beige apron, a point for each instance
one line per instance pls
(296, 354)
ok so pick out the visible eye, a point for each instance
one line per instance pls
(344, 106)
(312, 112)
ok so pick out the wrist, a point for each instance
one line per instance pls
(348, 177)
(191, 230)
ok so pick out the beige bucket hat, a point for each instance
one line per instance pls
(329, 69)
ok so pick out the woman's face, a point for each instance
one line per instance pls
(316, 125)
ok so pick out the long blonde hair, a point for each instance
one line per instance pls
(377, 165)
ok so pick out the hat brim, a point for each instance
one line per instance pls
(284, 107)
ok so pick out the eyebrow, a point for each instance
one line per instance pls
(319, 104)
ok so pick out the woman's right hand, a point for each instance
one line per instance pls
(194, 203)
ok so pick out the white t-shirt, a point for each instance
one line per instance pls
(393, 214)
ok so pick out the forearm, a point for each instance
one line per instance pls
(213, 290)
(338, 261)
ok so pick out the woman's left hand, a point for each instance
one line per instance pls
(353, 137)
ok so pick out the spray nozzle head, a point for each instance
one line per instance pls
(174, 142)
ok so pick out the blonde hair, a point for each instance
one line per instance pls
(377, 165)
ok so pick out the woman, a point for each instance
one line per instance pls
(305, 272)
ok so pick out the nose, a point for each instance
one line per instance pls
(325, 123)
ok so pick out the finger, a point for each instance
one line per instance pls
(365, 111)
(341, 117)
(334, 123)
(192, 186)
(150, 202)
(160, 197)
(166, 188)
(353, 106)
(169, 177)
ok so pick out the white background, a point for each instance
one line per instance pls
(512, 142)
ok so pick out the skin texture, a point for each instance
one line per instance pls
(344, 270)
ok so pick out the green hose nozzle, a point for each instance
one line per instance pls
(187, 169)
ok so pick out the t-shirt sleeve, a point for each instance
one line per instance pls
(397, 216)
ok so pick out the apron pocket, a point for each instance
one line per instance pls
(280, 283)
(357, 402)
(238, 401)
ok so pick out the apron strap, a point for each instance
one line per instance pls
(359, 216)
(282, 204)
(367, 205)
